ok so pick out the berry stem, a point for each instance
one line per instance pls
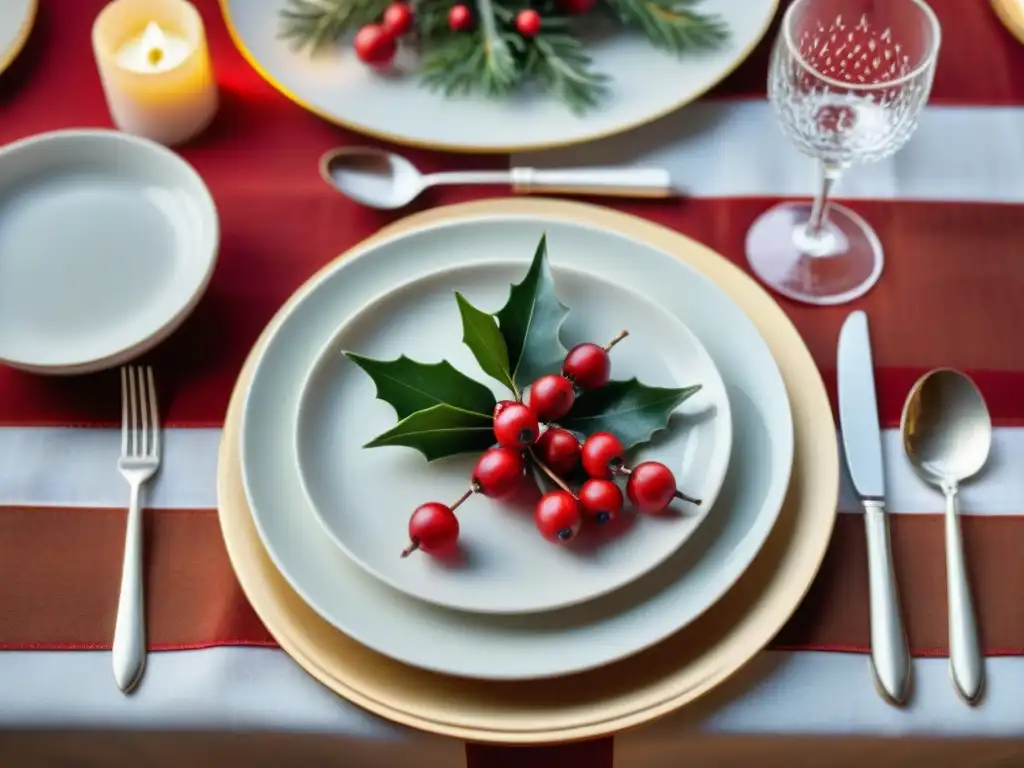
(462, 499)
(622, 334)
(625, 472)
(412, 547)
(551, 474)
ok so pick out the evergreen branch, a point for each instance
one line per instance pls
(498, 48)
(463, 64)
(557, 60)
(672, 25)
(314, 24)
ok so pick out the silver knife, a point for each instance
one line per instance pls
(862, 443)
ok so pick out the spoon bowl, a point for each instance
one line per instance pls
(946, 427)
(372, 176)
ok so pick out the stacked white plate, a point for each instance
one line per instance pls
(333, 515)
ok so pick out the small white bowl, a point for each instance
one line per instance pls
(107, 243)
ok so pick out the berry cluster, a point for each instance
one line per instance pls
(376, 44)
(522, 429)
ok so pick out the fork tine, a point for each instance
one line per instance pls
(144, 437)
(154, 413)
(124, 411)
(134, 403)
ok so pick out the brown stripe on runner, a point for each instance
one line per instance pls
(60, 571)
(949, 296)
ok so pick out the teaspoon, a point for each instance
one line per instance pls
(947, 434)
(380, 179)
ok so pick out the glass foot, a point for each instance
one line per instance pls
(840, 265)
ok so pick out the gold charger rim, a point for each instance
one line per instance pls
(288, 93)
(8, 55)
(424, 700)
(1011, 14)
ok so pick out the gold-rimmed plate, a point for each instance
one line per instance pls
(16, 20)
(624, 694)
(646, 84)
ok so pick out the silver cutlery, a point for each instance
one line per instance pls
(947, 435)
(384, 180)
(138, 462)
(862, 443)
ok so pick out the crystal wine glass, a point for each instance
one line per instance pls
(847, 81)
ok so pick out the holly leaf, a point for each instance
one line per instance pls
(409, 386)
(531, 321)
(630, 410)
(439, 431)
(480, 333)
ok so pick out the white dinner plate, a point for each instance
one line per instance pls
(16, 20)
(646, 84)
(533, 645)
(363, 496)
(107, 242)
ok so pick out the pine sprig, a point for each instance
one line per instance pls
(465, 63)
(493, 59)
(559, 64)
(314, 24)
(672, 25)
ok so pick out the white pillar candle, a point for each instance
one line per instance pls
(155, 68)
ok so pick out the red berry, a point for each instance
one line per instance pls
(651, 486)
(557, 516)
(497, 471)
(601, 500)
(588, 365)
(434, 528)
(601, 454)
(459, 18)
(374, 46)
(516, 426)
(576, 6)
(559, 450)
(500, 406)
(397, 19)
(528, 22)
(551, 397)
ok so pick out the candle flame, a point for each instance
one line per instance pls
(154, 42)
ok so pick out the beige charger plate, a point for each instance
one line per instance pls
(1011, 13)
(624, 694)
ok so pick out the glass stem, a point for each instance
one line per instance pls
(830, 173)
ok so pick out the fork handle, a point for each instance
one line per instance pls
(129, 648)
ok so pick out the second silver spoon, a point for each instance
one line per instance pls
(385, 180)
(947, 435)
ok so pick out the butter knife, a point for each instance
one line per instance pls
(862, 444)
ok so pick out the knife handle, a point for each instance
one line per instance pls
(890, 657)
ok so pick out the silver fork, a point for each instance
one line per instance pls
(139, 461)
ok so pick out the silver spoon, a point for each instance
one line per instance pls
(385, 180)
(947, 434)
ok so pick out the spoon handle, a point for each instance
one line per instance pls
(965, 660)
(616, 182)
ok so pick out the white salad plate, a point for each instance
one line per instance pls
(363, 496)
(520, 646)
(337, 87)
(107, 242)
(17, 18)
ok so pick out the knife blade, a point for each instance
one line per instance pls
(862, 445)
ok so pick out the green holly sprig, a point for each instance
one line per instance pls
(443, 412)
